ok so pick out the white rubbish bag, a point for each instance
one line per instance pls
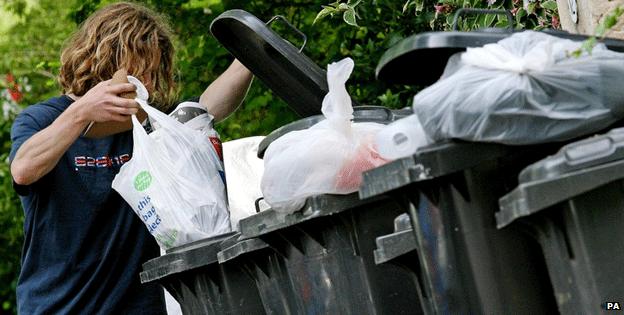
(401, 138)
(525, 89)
(327, 158)
(195, 116)
(172, 182)
(244, 171)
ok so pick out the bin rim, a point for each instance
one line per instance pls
(315, 207)
(430, 162)
(361, 113)
(184, 258)
(242, 247)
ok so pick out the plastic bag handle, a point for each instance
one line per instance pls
(163, 119)
(279, 17)
(466, 11)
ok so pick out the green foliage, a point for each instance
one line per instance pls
(347, 9)
(11, 220)
(601, 32)
(31, 51)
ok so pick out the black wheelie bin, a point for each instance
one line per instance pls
(318, 260)
(194, 277)
(572, 203)
(451, 191)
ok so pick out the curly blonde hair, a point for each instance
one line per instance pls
(120, 35)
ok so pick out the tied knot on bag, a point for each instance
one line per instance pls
(521, 53)
(497, 57)
(336, 106)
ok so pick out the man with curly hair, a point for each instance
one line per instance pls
(84, 245)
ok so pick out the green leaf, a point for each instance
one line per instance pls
(344, 7)
(501, 23)
(349, 17)
(531, 7)
(420, 5)
(549, 5)
(407, 5)
(489, 20)
(325, 12)
(610, 21)
(520, 14)
(355, 4)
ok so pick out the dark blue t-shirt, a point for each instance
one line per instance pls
(83, 245)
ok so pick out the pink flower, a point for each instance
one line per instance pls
(442, 8)
(554, 20)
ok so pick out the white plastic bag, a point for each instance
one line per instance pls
(244, 172)
(327, 158)
(195, 116)
(525, 89)
(172, 182)
(401, 138)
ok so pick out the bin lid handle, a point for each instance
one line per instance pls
(283, 19)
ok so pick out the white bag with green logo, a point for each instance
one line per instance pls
(172, 182)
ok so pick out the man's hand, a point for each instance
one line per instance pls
(102, 103)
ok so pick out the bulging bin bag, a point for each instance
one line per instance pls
(525, 89)
(327, 158)
(172, 182)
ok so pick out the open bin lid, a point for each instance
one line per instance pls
(398, 243)
(577, 168)
(183, 258)
(283, 68)
(315, 207)
(364, 113)
(421, 58)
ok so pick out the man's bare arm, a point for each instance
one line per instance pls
(38, 155)
(226, 93)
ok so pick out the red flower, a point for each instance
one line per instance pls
(555, 21)
(14, 89)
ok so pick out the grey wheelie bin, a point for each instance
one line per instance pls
(573, 204)
(194, 277)
(318, 260)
